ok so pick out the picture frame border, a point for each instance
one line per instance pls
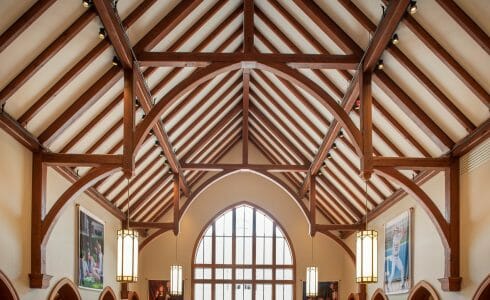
(410, 249)
(80, 209)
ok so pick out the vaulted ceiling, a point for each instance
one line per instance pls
(59, 86)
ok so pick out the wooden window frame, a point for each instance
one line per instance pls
(254, 282)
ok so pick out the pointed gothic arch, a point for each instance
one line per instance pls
(423, 291)
(483, 291)
(379, 294)
(7, 290)
(107, 294)
(64, 289)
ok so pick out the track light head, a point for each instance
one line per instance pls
(102, 33)
(157, 143)
(87, 3)
(137, 103)
(151, 132)
(412, 7)
(334, 146)
(329, 156)
(341, 134)
(161, 154)
(380, 65)
(395, 40)
(115, 61)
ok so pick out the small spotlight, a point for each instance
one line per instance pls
(329, 156)
(102, 33)
(151, 132)
(161, 154)
(412, 7)
(115, 61)
(380, 65)
(137, 103)
(341, 134)
(87, 3)
(157, 143)
(334, 146)
(395, 40)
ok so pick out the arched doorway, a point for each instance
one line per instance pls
(423, 291)
(65, 289)
(107, 294)
(483, 291)
(379, 294)
(243, 251)
(7, 290)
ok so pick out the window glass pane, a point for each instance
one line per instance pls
(223, 273)
(223, 291)
(228, 230)
(243, 274)
(263, 274)
(220, 226)
(243, 292)
(288, 274)
(228, 255)
(259, 251)
(284, 292)
(220, 250)
(203, 273)
(263, 292)
(259, 224)
(198, 291)
(268, 251)
(279, 251)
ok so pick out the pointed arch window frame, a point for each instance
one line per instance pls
(210, 227)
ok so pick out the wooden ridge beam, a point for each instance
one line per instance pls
(203, 59)
(475, 138)
(231, 167)
(248, 26)
(245, 110)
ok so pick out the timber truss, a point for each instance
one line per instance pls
(311, 160)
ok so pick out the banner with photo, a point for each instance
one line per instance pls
(397, 258)
(90, 251)
(327, 290)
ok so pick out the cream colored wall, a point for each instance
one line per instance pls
(15, 211)
(428, 253)
(156, 257)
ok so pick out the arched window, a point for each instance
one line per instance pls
(7, 290)
(64, 289)
(243, 254)
(423, 291)
(483, 291)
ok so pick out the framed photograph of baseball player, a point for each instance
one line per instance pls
(398, 252)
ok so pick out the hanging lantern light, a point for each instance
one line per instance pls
(311, 281)
(367, 254)
(176, 280)
(176, 275)
(127, 253)
(312, 277)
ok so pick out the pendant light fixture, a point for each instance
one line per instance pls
(367, 253)
(311, 277)
(127, 252)
(176, 275)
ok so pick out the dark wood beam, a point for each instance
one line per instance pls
(150, 225)
(248, 26)
(259, 167)
(340, 227)
(466, 23)
(366, 117)
(19, 133)
(23, 76)
(202, 59)
(478, 136)
(85, 160)
(313, 205)
(245, 110)
(413, 163)
(128, 163)
(22, 23)
(80, 66)
(115, 32)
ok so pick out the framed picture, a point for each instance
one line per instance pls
(90, 251)
(160, 290)
(398, 252)
(327, 290)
